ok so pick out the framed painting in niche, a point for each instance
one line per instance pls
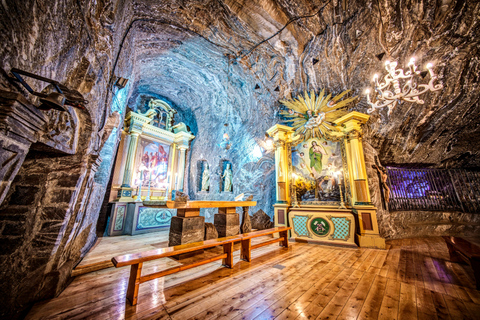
(151, 160)
(314, 164)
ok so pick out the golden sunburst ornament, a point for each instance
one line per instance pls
(312, 115)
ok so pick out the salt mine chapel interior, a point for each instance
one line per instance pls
(240, 159)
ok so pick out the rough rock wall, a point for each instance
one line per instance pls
(48, 219)
(226, 61)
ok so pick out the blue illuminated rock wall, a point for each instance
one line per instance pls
(213, 96)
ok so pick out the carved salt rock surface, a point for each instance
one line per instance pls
(55, 225)
(260, 220)
(210, 231)
(182, 56)
(246, 225)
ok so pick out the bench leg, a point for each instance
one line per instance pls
(284, 235)
(475, 263)
(228, 249)
(453, 254)
(134, 283)
(245, 253)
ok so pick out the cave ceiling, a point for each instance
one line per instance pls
(231, 61)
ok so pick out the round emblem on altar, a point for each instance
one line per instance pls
(320, 227)
(163, 216)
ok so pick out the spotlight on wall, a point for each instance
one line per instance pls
(53, 100)
(121, 82)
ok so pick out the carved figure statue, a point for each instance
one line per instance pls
(228, 175)
(383, 176)
(205, 178)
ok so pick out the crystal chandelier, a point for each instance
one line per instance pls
(399, 86)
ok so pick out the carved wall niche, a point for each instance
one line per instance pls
(201, 167)
(224, 164)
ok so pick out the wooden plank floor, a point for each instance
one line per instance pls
(413, 279)
(99, 257)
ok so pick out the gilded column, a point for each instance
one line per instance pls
(181, 168)
(281, 136)
(171, 166)
(367, 234)
(362, 194)
(125, 192)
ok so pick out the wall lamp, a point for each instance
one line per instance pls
(121, 82)
(52, 100)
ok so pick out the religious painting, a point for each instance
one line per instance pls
(151, 164)
(316, 166)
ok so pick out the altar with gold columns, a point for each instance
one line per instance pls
(350, 222)
(150, 164)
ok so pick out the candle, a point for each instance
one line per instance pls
(429, 67)
(367, 93)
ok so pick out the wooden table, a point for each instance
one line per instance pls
(188, 226)
(192, 208)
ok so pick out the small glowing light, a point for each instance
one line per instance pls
(367, 91)
(429, 65)
(226, 136)
(269, 144)
(375, 76)
(412, 60)
(257, 152)
(387, 63)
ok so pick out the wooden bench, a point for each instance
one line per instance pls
(461, 249)
(246, 238)
(136, 260)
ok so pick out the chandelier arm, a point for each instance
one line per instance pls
(379, 105)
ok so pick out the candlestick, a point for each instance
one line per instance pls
(342, 204)
(149, 183)
(295, 201)
(139, 194)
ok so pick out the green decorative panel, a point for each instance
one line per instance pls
(342, 228)
(153, 218)
(300, 226)
(320, 227)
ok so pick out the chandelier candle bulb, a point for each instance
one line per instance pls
(430, 70)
